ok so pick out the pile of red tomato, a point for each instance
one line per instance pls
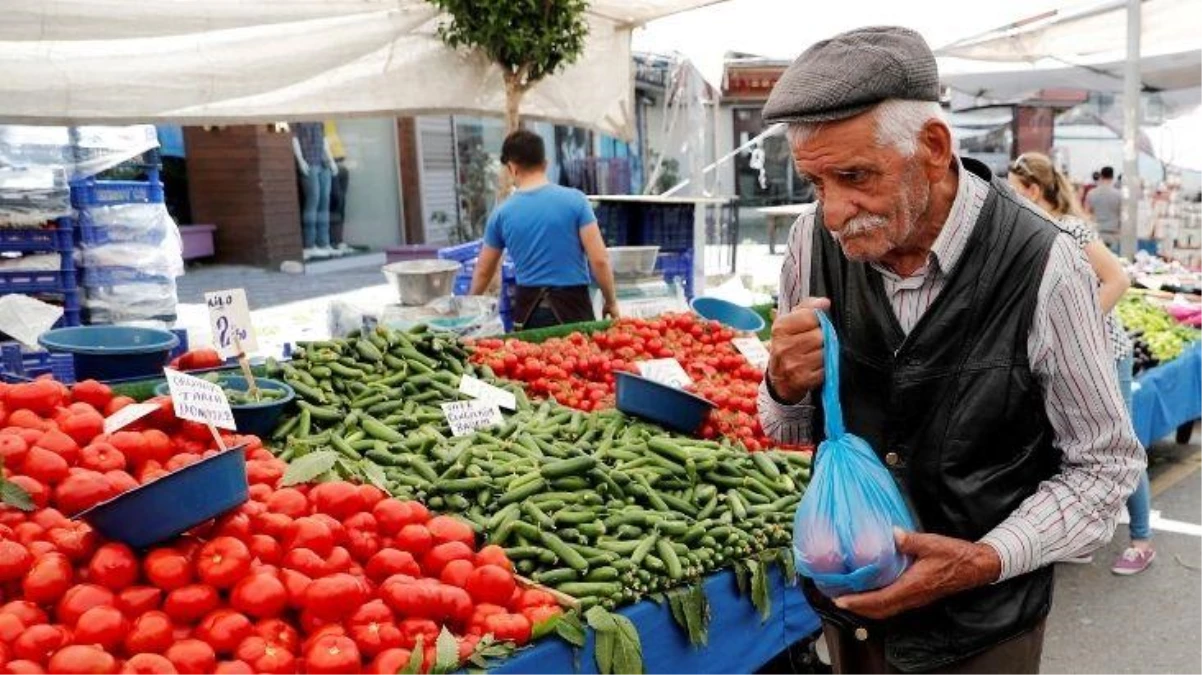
(325, 578)
(578, 370)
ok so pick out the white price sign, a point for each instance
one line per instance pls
(665, 371)
(464, 417)
(127, 416)
(753, 350)
(199, 400)
(483, 391)
(229, 316)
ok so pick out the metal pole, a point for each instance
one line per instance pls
(1132, 186)
(772, 130)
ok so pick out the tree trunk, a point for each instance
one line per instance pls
(515, 88)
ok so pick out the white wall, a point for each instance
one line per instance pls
(373, 206)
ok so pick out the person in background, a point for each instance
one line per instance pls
(1033, 176)
(972, 355)
(316, 166)
(339, 184)
(1085, 189)
(552, 237)
(1105, 203)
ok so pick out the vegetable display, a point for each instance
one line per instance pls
(326, 578)
(1158, 336)
(578, 370)
(243, 396)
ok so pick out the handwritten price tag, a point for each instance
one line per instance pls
(229, 316)
(665, 371)
(753, 350)
(483, 391)
(464, 417)
(199, 400)
(127, 416)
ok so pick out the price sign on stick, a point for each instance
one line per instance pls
(464, 417)
(229, 319)
(483, 391)
(127, 416)
(200, 401)
(665, 371)
(753, 350)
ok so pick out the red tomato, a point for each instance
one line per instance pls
(457, 573)
(266, 549)
(491, 584)
(105, 626)
(415, 539)
(332, 654)
(137, 600)
(334, 597)
(339, 499)
(11, 627)
(25, 610)
(167, 568)
(82, 659)
(446, 529)
(15, 561)
(266, 656)
(309, 533)
(392, 515)
(81, 490)
(223, 561)
(390, 662)
(290, 502)
(390, 561)
(113, 566)
(189, 603)
(149, 664)
(81, 598)
(493, 555)
(39, 642)
(151, 632)
(260, 595)
(223, 630)
(192, 656)
(279, 632)
(440, 555)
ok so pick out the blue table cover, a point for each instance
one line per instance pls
(739, 642)
(1167, 396)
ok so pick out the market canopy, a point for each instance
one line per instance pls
(232, 61)
(1082, 48)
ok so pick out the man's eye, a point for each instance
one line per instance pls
(854, 177)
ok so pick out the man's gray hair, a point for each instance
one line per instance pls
(898, 123)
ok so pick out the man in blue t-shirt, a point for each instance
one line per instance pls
(553, 239)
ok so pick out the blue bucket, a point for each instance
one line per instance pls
(175, 503)
(112, 352)
(729, 314)
(668, 406)
(251, 418)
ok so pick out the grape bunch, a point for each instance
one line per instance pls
(1142, 352)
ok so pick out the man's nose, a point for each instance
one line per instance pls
(836, 213)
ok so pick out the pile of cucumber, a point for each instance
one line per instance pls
(597, 505)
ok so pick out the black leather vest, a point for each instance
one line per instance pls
(957, 411)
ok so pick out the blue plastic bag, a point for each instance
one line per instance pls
(843, 528)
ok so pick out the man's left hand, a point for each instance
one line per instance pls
(940, 567)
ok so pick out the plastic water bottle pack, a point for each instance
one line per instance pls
(843, 529)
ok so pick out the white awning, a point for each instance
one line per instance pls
(233, 61)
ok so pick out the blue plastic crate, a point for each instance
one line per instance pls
(462, 252)
(96, 277)
(60, 238)
(91, 192)
(17, 365)
(670, 227)
(677, 267)
(614, 220)
(56, 281)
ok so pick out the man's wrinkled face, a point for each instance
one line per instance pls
(871, 195)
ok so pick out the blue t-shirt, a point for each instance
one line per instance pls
(540, 229)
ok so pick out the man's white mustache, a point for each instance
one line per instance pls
(861, 224)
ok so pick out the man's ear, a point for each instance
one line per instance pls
(938, 148)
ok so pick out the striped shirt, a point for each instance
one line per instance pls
(1084, 235)
(1076, 510)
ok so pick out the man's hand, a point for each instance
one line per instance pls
(795, 364)
(941, 566)
(304, 168)
(610, 311)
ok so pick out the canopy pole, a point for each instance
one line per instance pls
(1132, 186)
(772, 131)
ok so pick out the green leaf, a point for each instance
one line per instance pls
(600, 619)
(415, 659)
(374, 474)
(545, 626)
(741, 575)
(788, 565)
(658, 598)
(676, 605)
(697, 614)
(628, 654)
(570, 629)
(446, 652)
(346, 469)
(604, 649)
(309, 467)
(759, 588)
(15, 496)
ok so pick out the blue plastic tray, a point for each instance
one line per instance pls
(251, 418)
(729, 314)
(112, 352)
(95, 277)
(54, 281)
(60, 238)
(668, 406)
(164, 508)
(462, 252)
(91, 192)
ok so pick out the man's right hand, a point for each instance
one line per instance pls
(795, 366)
(304, 169)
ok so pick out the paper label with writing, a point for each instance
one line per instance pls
(127, 416)
(483, 391)
(199, 400)
(753, 350)
(665, 371)
(464, 417)
(229, 316)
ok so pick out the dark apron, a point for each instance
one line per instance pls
(542, 306)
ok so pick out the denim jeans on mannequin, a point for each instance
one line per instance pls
(1139, 504)
(315, 215)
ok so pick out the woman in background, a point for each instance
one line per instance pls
(1035, 177)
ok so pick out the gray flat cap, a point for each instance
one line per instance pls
(849, 73)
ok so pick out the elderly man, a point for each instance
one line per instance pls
(974, 361)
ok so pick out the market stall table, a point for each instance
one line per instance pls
(738, 641)
(1168, 396)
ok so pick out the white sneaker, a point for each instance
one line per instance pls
(330, 252)
(311, 254)
(345, 247)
